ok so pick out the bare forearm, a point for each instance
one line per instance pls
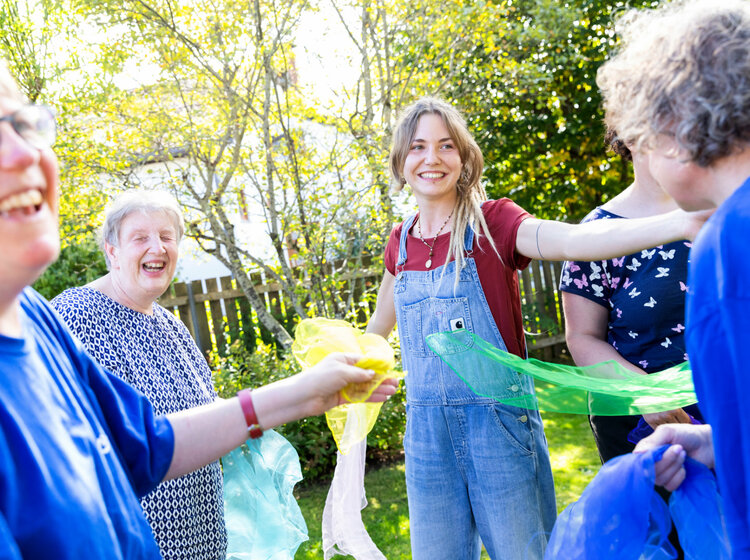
(205, 433)
(379, 324)
(600, 239)
(587, 350)
(605, 239)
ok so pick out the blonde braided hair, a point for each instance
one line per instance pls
(469, 189)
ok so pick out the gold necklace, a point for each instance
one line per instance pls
(428, 264)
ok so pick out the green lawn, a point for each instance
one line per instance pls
(574, 464)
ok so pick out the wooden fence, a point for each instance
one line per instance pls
(544, 321)
(215, 309)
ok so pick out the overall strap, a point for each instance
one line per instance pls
(402, 241)
(468, 241)
(469, 236)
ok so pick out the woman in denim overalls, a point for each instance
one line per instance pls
(475, 469)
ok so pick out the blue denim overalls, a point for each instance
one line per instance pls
(474, 467)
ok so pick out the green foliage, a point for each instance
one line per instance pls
(213, 112)
(529, 92)
(524, 74)
(386, 440)
(31, 35)
(78, 264)
(315, 446)
(536, 317)
(220, 120)
(240, 368)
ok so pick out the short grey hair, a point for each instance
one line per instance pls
(684, 71)
(133, 201)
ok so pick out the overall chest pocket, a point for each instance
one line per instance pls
(433, 315)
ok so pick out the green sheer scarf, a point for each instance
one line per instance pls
(604, 389)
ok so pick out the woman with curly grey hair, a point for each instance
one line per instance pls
(679, 90)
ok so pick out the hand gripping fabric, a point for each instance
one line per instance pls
(342, 527)
(621, 517)
(604, 389)
(262, 517)
(314, 340)
(643, 429)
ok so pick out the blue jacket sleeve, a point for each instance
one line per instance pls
(718, 323)
(144, 442)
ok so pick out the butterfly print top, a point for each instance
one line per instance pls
(645, 295)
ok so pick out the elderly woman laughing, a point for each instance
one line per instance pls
(120, 323)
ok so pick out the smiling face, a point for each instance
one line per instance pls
(29, 236)
(433, 164)
(144, 262)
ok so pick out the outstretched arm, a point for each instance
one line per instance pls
(604, 239)
(205, 433)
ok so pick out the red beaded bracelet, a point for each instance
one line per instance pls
(246, 402)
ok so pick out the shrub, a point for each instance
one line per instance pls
(77, 265)
(240, 368)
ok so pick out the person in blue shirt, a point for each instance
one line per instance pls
(679, 91)
(78, 446)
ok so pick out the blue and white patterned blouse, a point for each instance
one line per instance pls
(645, 295)
(156, 354)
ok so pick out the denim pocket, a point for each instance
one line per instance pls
(433, 315)
(513, 425)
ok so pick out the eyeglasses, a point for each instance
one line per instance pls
(35, 124)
